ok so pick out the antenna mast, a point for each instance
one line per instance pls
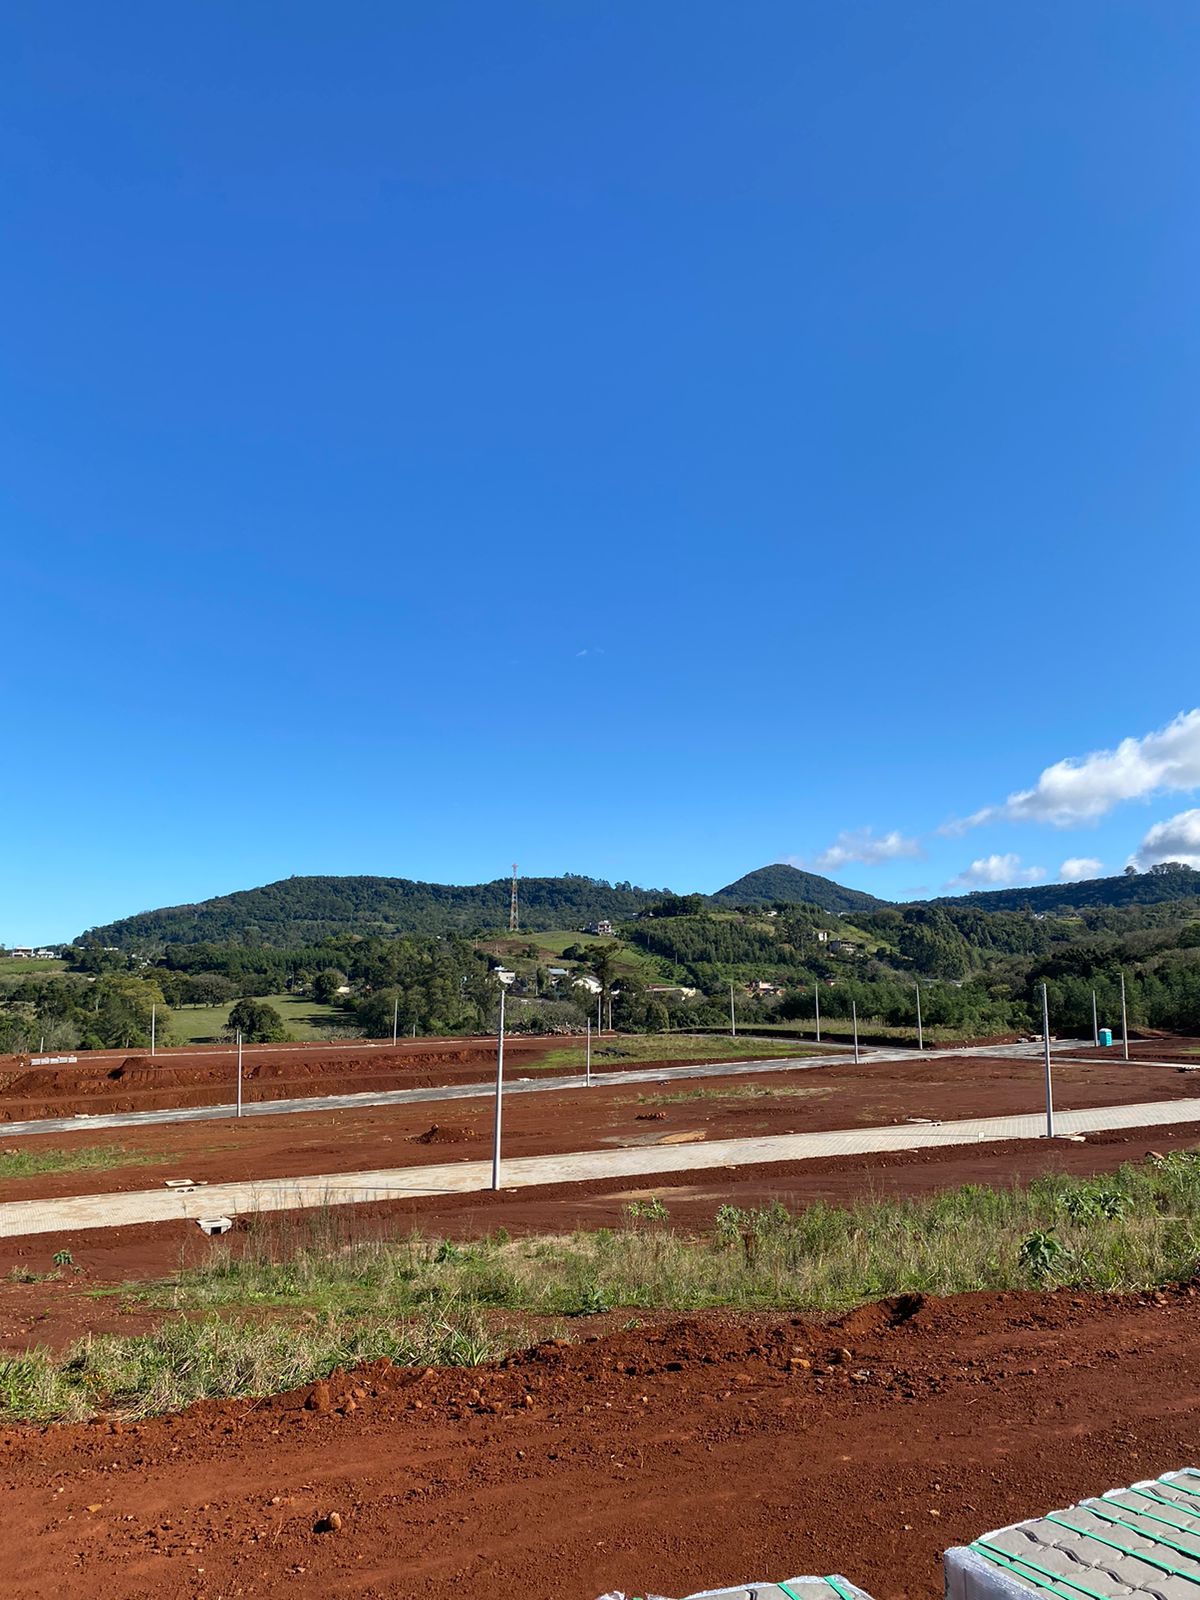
(513, 921)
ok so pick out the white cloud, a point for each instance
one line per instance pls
(998, 871)
(1076, 867)
(1176, 839)
(1082, 788)
(865, 846)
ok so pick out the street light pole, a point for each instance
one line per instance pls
(395, 1019)
(499, 1096)
(1095, 1022)
(920, 1028)
(153, 1026)
(1124, 1020)
(732, 1016)
(239, 1072)
(588, 1065)
(817, 1005)
(1046, 1049)
(854, 1014)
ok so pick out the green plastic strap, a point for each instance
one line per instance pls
(1157, 1500)
(834, 1585)
(790, 1592)
(1015, 1563)
(1154, 1538)
(1138, 1555)
(1174, 1483)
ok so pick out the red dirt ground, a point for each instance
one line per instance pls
(671, 1457)
(840, 1096)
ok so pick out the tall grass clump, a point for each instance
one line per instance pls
(1131, 1229)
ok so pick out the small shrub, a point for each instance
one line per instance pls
(1039, 1252)
(593, 1301)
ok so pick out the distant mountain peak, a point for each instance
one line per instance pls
(793, 886)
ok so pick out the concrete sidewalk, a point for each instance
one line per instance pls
(468, 1177)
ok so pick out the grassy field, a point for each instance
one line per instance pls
(92, 1158)
(615, 1049)
(510, 949)
(25, 966)
(303, 1018)
(332, 1298)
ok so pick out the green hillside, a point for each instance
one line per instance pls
(303, 911)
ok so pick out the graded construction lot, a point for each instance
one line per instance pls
(674, 1455)
(108, 1081)
(811, 1099)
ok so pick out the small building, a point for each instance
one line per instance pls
(602, 929)
(843, 947)
(504, 975)
(821, 935)
(761, 986)
(586, 981)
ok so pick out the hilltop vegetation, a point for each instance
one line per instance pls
(1169, 880)
(302, 911)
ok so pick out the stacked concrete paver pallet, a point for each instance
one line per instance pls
(1140, 1543)
(835, 1588)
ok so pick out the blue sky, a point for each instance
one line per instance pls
(649, 441)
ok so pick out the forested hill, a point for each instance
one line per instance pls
(788, 885)
(1166, 882)
(303, 911)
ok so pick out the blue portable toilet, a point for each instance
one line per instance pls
(1106, 1037)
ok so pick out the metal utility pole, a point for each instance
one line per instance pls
(920, 1029)
(1046, 1049)
(1124, 1021)
(153, 1026)
(239, 1070)
(817, 1007)
(395, 1019)
(732, 1015)
(1095, 1022)
(587, 1070)
(599, 1014)
(499, 1097)
(513, 919)
(854, 1015)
